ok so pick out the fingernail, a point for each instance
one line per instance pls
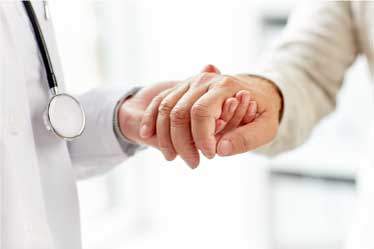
(224, 148)
(233, 106)
(144, 131)
(169, 156)
(208, 155)
(192, 164)
(208, 148)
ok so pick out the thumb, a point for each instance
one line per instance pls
(211, 69)
(247, 137)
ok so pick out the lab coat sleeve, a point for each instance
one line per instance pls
(100, 148)
(308, 65)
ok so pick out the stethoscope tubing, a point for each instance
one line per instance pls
(51, 77)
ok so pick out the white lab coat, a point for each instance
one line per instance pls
(38, 196)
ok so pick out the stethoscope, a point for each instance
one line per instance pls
(64, 115)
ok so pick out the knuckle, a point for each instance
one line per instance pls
(243, 144)
(227, 82)
(190, 152)
(201, 79)
(165, 108)
(165, 146)
(206, 144)
(199, 111)
(148, 115)
(179, 115)
(205, 76)
(159, 98)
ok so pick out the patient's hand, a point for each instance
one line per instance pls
(132, 110)
(236, 111)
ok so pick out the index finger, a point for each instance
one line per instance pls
(204, 113)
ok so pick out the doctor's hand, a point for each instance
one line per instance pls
(185, 117)
(132, 110)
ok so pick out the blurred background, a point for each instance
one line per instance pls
(302, 199)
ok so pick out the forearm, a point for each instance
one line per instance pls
(308, 66)
(99, 148)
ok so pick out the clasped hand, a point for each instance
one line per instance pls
(210, 112)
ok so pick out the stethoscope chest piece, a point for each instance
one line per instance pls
(65, 116)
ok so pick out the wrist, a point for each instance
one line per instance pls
(276, 94)
(126, 117)
(126, 120)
